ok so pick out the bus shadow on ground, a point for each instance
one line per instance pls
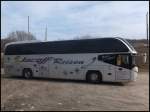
(66, 81)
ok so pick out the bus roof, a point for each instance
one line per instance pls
(21, 42)
(96, 45)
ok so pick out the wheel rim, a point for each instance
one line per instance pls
(27, 74)
(94, 77)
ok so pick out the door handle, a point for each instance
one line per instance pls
(120, 68)
(109, 73)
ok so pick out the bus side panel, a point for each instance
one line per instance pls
(106, 70)
(11, 67)
(78, 71)
(66, 66)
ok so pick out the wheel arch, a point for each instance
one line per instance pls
(23, 70)
(94, 71)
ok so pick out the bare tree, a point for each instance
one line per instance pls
(16, 36)
(20, 36)
(82, 37)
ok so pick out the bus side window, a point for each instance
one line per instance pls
(119, 60)
(108, 58)
(123, 61)
(99, 57)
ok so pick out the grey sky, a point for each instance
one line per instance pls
(68, 19)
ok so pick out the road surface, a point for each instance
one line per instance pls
(49, 94)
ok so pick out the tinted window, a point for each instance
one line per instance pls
(111, 59)
(124, 60)
(104, 45)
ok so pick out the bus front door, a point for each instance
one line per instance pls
(122, 69)
(122, 73)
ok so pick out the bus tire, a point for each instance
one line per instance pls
(94, 76)
(27, 73)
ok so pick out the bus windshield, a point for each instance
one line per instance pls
(133, 62)
(126, 60)
(123, 61)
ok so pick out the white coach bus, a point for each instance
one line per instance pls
(94, 60)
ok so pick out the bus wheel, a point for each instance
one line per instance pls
(94, 77)
(27, 73)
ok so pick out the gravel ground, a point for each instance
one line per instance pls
(56, 95)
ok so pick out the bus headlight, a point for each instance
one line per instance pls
(135, 69)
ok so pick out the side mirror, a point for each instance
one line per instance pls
(144, 58)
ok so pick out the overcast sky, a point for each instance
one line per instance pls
(68, 19)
